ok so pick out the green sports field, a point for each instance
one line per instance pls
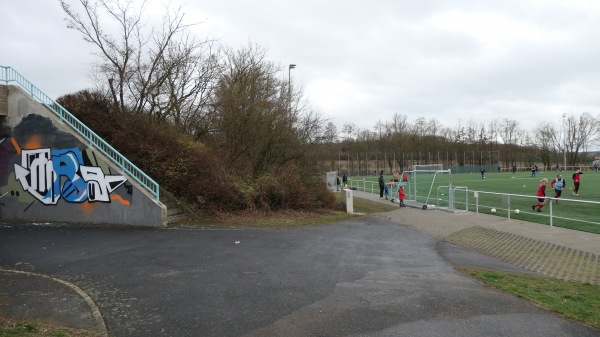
(507, 191)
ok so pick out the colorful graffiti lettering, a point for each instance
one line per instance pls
(49, 175)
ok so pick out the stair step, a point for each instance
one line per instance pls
(177, 218)
(174, 211)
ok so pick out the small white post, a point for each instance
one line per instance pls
(347, 200)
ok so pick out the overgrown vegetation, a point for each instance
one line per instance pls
(573, 300)
(192, 170)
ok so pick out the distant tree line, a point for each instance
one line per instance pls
(546, 145)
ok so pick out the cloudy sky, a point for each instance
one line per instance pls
(364, 61)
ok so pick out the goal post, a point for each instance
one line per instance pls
(426, 179)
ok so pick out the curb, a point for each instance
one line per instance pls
(102, 329)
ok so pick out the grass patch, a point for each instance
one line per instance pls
(361, 205)
(577, 301)
(10, 328)
(297, 218)
(290, 218)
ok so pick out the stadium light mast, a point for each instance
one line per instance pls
(292, 66)
(565, 143)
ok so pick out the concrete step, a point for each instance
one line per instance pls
(172, 219)
(174, 211)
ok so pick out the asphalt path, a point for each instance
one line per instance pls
(364, 277)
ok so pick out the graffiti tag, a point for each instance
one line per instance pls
(49, 175)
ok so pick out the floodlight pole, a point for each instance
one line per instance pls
(565, 143)
(291, 66)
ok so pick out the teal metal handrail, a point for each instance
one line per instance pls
(9, 74)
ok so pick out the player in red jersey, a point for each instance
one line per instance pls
(576, 181)
(541, 193)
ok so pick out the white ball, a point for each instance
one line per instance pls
(493, 210)
(517, 211)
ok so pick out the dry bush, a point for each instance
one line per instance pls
(191, 171)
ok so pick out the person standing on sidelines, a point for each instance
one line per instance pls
(345, 180)
(405, 177)
(576, 181)
(541, 194)
(558, 184)
(381, 184)
(401, 196)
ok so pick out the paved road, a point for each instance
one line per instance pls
(365, 277)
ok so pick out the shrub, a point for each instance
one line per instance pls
(190, 170)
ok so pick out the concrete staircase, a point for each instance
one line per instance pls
(177, 211)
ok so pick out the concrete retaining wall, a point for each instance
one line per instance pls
(49, 174)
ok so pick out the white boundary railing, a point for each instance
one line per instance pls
(550, 202)
(372, 187)
(9, 74)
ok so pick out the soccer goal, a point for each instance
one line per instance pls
(426, 179)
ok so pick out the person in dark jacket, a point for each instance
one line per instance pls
(576, 181)
(381, 184)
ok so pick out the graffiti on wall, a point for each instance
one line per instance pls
(5, 147)
(50, 175)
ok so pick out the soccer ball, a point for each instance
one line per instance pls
(517, 211)
(493, 210)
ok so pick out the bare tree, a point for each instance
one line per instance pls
(134, 59)
(349, 130)
(257, 128)
(379, 127)
(330, 133)
(548, 140)
(187, 94)
(399, 123)
(579, 132)
(510, 134)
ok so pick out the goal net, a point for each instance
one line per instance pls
(425, 181)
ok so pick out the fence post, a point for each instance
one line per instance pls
(508, 206)
(551, 213)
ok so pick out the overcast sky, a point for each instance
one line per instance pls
(364, 61)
